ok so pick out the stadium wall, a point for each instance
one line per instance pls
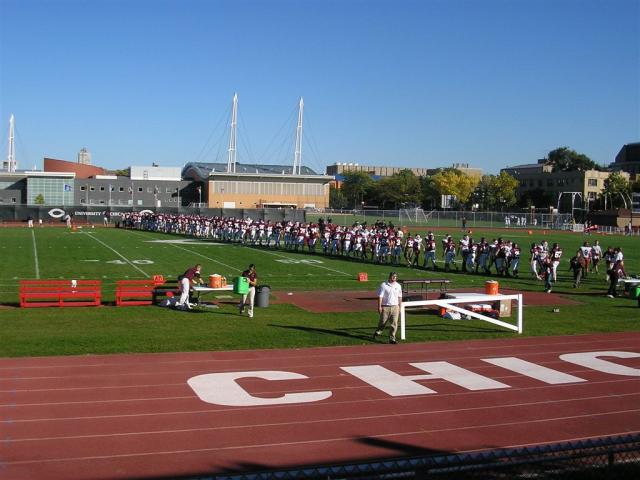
(54, 215)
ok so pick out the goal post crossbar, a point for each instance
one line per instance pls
(450, 304)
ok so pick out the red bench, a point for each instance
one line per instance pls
(60, 293)
(135, 292)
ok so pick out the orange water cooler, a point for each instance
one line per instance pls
(491, 287)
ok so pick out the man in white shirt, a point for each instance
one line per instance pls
(389, 298)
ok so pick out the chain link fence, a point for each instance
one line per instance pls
(616, 457)
(451, 219)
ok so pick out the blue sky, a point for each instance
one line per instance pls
(405, 83)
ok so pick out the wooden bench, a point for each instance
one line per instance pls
(419, 289)
(60, 293)
(135, 292)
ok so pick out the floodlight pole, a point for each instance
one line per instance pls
(297, 160)
(231, 160)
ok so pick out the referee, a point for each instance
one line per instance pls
(389, 298)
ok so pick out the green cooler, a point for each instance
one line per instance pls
(241, 285)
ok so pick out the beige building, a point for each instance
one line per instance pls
(258, 186)
(534, 176)
(263, 190)
(374, 171)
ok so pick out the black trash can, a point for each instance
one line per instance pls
(262, 296)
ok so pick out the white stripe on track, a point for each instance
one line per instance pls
(521, 424)
(120, 255)
(35, 254)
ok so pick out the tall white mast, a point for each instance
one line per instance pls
(231, 162)
(297, 160)
(11, 154)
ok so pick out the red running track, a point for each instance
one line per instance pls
(124, 416)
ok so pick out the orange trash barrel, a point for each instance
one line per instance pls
(491, 287)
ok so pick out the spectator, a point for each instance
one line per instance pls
(249, 297)
(547, 273)
(389, 299)
(578, 264)
(188, 278)
(616, 274)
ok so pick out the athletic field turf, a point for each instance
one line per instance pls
(112, 254)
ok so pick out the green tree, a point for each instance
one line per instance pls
(337, 198)
(356, 187)
(617, 190)
(399, 189)
(564, 159)
(125, 172)
(39, 200)
(453, 182)
(496, 191)
(430, 195)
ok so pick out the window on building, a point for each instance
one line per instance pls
(592, 182)
(121, 189)
(102, 189)
(83, 188)
(82, 201)
(149, 190)
(168, 190)
(13, 199)
(140, 189)
(101, 202)
(92, 189)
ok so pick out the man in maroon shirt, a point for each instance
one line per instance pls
(248, 298)
(191, 276)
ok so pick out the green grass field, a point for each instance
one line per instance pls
(112, 254)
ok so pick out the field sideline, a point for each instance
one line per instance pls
(112, 254)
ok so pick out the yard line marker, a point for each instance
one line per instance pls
(35, 254)
(119, 254)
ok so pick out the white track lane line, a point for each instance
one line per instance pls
(553, 347)
(120, 255)
(322, 441)
(35, 254)
(341, 419)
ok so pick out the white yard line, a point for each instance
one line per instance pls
(257, 250)
(194, 253)
(35, 254)
(204, 256)
(120, 255)
(308, 264)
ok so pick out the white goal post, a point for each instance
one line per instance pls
(451, 304)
